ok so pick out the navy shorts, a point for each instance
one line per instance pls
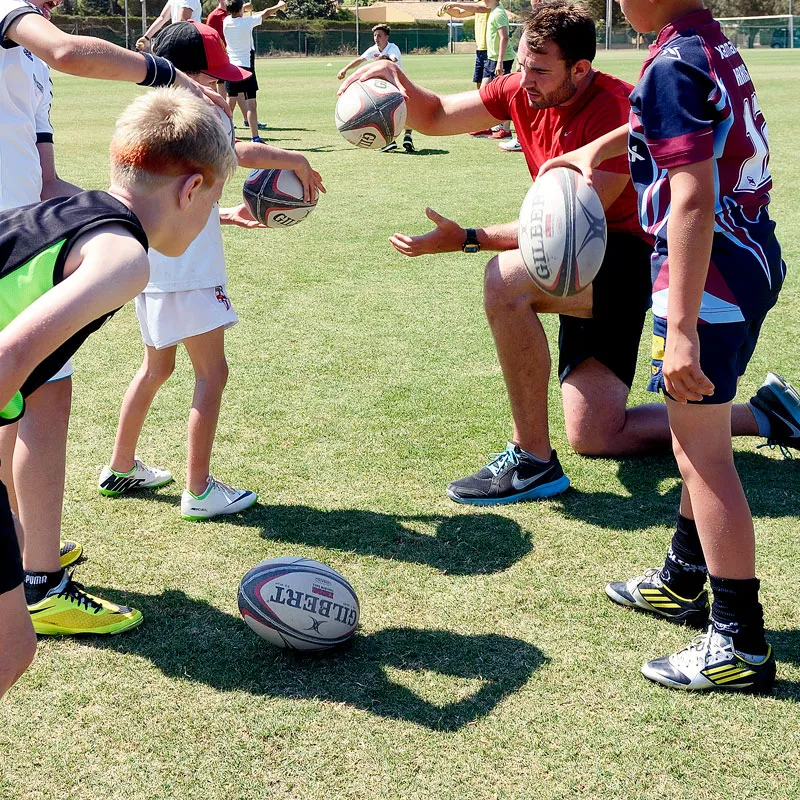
(10, 561)
(620, 299)
(480, 66)
(725, 351)
(491, 66)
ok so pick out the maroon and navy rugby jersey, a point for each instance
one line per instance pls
(695, 101)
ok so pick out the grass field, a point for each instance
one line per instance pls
(488, 663)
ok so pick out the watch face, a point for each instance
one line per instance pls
(471, 248)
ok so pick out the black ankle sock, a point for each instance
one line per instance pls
(684, 569)
(38, 584)
(737, 613)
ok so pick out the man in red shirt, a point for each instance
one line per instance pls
(557, 102)
(216, 18)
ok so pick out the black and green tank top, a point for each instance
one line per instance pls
(35, 241)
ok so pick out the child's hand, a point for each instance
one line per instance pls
(683, 378)
(580, 160)
(340, 74)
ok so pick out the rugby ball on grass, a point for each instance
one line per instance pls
(562, 232)
(370, 113)
(275, 197)
(298, 603)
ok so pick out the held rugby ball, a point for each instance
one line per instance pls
(562, 232)
(298, 603)
(370, 113)
(275, 197)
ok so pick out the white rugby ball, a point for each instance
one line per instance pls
(370, 113)
(298, 603)
(275, 197)
(562, 232)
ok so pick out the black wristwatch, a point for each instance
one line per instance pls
(471, 243)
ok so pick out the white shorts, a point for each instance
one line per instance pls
(167, 318)
(65, 372)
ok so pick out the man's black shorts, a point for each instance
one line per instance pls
(249, 86)
(621, 296)
(480, 66)
(10, 561)
(491, 66)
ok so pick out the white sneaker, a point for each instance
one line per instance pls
(218, 498)
(496, 128)
(511, 146)
(113, 484)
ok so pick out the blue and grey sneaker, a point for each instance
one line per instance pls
(511, 476)
(711, 662)
(779, 401)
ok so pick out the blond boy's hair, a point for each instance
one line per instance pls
(167, 133)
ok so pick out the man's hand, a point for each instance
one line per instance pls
(387, 70)
(683, 377)
(143, 44)
(239, 215)
(446, 237)
(311, 180)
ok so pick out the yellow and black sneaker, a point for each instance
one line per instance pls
(70, 552)
(68, 609)
(649, 593)
(711, 662)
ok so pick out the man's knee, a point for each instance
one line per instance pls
(500, 293)
(590, 436)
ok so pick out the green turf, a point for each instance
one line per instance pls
(488, 663)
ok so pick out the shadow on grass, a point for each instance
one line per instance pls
(770, 486)
(786, 644)
(463, 544)
(189, 639)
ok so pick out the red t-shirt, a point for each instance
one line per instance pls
(549, 132)
(215, 19)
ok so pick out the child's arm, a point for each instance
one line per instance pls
(253, 155)
(96, 284)
(354, 63)
(584, 159)
(690, 233)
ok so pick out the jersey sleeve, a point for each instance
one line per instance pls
(674, 101)
(255, 21)
(496, 96)
(370, 53)
(44, 128)
(11, 10)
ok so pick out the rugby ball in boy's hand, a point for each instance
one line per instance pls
(370, 113)
(562, 232)
(275, 197)
(298, 603)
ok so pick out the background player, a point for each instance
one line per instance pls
(169, 160)
(385, 50)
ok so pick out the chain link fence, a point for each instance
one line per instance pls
(343, 42)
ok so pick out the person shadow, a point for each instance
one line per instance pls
(385, 673)
(786, 644)
(461, 544)
(653, 486)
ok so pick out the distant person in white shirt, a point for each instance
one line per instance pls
(388, 51)
(238, 30)
(173, 11)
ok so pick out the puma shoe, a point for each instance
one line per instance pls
(218, 498)
(509, 477)
(69, 552)
(68, 609)
(113, 484)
